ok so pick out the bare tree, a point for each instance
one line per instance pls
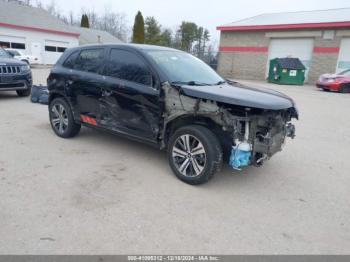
(114, 23)
(72, 20)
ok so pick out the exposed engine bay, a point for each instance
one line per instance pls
(255, 134)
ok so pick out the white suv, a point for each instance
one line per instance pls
(29, 59)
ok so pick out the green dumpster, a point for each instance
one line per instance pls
(286, 71)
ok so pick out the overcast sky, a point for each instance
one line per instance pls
(206, 13)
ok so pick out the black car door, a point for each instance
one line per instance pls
(130, 97)
(84, 83)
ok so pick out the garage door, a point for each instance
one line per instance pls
(53, 51)
(298, 48)
(344, 55)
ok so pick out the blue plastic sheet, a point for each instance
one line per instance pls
(40, 94)
(239, 158)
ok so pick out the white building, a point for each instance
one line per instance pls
(36, 32)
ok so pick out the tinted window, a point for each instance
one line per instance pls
(90, 60)
(61, 49)
(183, 67)
(70, 61)
(50, 48)
(128, 66)
(18, 46)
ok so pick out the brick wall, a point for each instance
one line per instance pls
(243, 64)
(324, 62)
(247, 63)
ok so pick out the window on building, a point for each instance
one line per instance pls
(61, 49)
(90, 60)
(18, 45)
(5, 44)
(128, 66)
(49, 48)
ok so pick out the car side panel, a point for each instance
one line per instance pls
(130, 107)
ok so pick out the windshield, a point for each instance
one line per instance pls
(183, 68)
(3, 53)
(345, 73)
(14, 52)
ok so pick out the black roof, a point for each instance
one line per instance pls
(290, 63)
(132, 46)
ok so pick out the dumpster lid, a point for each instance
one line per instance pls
(290, 63)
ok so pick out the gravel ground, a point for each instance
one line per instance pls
(101, 194)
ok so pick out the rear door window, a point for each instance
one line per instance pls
(90, 60)
(128, 66)
(70, 61)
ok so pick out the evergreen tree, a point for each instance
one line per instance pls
(84, 21)
(166, 38)
(139, 29)
(188, 34)
(152, 31)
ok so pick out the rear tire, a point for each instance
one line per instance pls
(194, 154)
(23, 93)
(62, 120)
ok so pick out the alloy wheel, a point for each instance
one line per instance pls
(59, 118)
(189, 155)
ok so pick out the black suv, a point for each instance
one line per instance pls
(172, 100)
(14, 75)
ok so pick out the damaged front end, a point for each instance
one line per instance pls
(254, 134)
(257, 137)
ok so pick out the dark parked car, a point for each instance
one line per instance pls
(171, 100)
(14, 75)
(335, 82)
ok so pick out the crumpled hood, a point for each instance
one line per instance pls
(238, 94)
(10, 62)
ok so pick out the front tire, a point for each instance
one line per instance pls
(194, 154)
(61, 119)
(23, 93)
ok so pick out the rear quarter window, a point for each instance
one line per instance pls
(70, 61)
(90, 60)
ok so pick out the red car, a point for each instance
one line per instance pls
(335, 82)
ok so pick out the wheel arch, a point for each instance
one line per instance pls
(201, 120)
(54, 95)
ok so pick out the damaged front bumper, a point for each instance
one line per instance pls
(249, 135)
(260, 142)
